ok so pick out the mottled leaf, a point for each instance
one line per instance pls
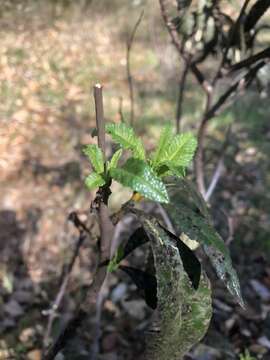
(184, 312)
(190, 216)
(94, 180)
(138, 175)
(124, 135)
(94, 153)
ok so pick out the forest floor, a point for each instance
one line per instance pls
(48, 65)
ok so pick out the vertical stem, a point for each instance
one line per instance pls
(103, 215)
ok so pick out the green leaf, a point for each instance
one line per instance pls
(114, 262)
(94, 153)
(184, 312)
(94, 180)
(164, 142)
(126, 138)
(180, 151)
(114, 160)
(139, 176)
(188, 214)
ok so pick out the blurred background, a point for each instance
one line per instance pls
(51, 54)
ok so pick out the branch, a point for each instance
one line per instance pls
(219, 167)
(210, 113)
(129, 76)
(176, 42)
(83, 230)
(264, 54)
(182, 84)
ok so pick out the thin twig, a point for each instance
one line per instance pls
(120, 109)
(176, 42)
(241, 83)
(128, 67)
(65, 276)
(219, 167)
(182, 84)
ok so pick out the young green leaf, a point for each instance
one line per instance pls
(125, 137)
(94, 180)
(139, 176)
(180, 151)
(164, 142)
(114, 160)
(94, 153)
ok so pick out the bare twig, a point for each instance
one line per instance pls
(120, 109)
(264, 54)
(65, 276)
(182, 84)
(232, 34)
(219, 168)
(241, 83)
(129, 75)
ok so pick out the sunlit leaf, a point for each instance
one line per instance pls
(94, 180)
(138, 175)
(94, 153)
(164, 141)
(180, 151)
(114, 160)
(124, 135)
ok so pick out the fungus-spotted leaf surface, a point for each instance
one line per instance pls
(126, 138)
(189, 215)
(139, 176)
(184, 312)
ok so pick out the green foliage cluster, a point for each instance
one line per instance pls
(141, 173)
(178, 287)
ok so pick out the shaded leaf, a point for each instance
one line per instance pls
(146, 284)
(185, 313)
(190, 262)
(94, 180)
(138, 175)
(189, 216)
(94, 153)
(124, 135)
